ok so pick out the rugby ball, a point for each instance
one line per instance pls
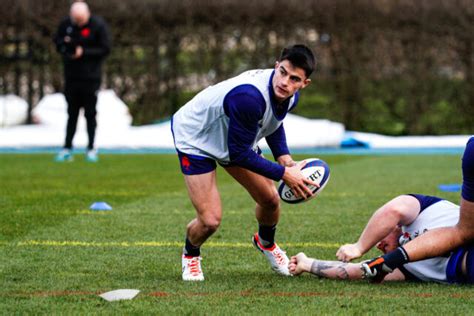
(316, 170)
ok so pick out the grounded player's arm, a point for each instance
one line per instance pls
(333, 269)
(325, 269)
(402, 210)
(336, 270)
(347, 271)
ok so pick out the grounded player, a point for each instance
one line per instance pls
(223, 124)
(402, 219)
(440, 241)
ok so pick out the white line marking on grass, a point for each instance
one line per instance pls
(157, 244)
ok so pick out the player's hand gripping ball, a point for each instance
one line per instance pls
(315, 169)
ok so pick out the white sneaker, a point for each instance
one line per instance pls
(92, 155)
(64, 155)
(277, 257)
(192, 268)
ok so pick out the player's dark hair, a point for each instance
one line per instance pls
(300, 56)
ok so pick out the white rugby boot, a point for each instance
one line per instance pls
(276, 256)
(192, 268)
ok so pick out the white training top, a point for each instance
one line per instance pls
(201, 126)
(439, 214)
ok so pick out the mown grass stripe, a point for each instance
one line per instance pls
(158, 244)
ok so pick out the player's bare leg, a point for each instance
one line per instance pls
(437, 242)
(267, 212)
(440, 241)
(263, 192)
(202, 190)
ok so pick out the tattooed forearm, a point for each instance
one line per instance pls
(330, 269)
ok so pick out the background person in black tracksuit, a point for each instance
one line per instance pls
(83, 40)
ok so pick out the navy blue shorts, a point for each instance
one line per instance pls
(193, 164)
(454, 272)
(468, 171)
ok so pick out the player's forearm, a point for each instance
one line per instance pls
(379, 226)
(253, 162)
(277, 143)
(286, 161)
(336, 270)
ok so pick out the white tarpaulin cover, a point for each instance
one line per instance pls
(114, 130)
(13, 110)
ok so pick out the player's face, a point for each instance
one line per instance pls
(390, 242)
(288, 80)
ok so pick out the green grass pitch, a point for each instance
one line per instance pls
(56, 255)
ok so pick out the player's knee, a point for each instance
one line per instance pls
(211, 224)
(270, 201)
(394, 209)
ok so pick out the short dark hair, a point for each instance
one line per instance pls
(300, 56)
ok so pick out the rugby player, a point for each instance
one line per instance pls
(405, 218)
(440, 241)
(223, 124)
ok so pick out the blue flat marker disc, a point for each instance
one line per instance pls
(450, 187)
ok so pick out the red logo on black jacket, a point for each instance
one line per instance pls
(85, 32)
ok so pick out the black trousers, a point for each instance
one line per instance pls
(81, 94)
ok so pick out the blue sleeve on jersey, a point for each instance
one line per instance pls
(245, 106)
(425, 200)
(468, 171)
(277, 142)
